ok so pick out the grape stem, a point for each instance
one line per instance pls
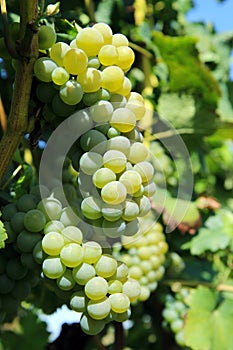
(119, 336)
(221, 287)
(18, 121)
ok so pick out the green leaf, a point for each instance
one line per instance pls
(208, 327)
(24, 181)
(3, 235)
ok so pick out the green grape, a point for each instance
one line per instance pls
(6, 284)
(17, 221)
(75, 61)
(96, 288)
(132, 289)
(114, 229)
(145, 293)
(144, 205)
(34, 220)
(125, 57)
(90, 98)
(8, 211)
(177, 325)
(118, 100)
(112, 212)
(103, 176)
(28, 261)
(106, 266)
(91, 326)
(99, 309)
(21, 290)
(38, 253)
(43, 69)
(119, 40)
(105, 30)
(26, 202)
(12, 235)
(71, 255)
(131, 211)
(90, 80)
(72, 234)
(10, 304)
(90, 162)
(52, 243)
(90, 40)
(91, 208)
(58, 51)
(83, 273)
(27, 240)
(131, 180)
(91, 252)
(46, 37)
(124, 120)
(108, 55)
(101, 111)
(104, 94)
(113, 132)
(114, 286)
(137, 108)
(135, 97)
(169, 315)
(114, 193)
(150, 189)
(69, 217)
(179, 338)
(78, 301)
(66, 281)
(91, 139)
(119, 143)
(51, 208)
(53, 226)
(115, 161)
(53, 267)
(136, 272)
(120, 302)
(71, 92)
(15, 270)
(120, 317)
(134, 135)
(138, 153)
(60, 108)
(45, 92)
(112, 78)
(93, 62)
(60, 76)
(122, 271)
(125, 89)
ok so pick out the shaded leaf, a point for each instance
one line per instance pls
(3, 235)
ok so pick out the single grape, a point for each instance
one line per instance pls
(8, 211)
(131, 211)
(124, 120)
(71, 255)
(90, 40)
(83, 273)
(78, 301)
(112, 212)
(138, 153)
(114, 193)
(71, 92)
(17, 221)
(93, 138)
(43, 69)
(99, 309)
(91, 326)
(52, 243)
(119, 143)
(34, 220)
(91, 208)
(112, 78)
(114, 229)
(53, 226)
(132, 289)
(119, 39)
(90, 80)
(103, 176)
(90, 162)
(105, 30)
(125, 57)
(91, 252)
(53, 268)
(108, 55)
(66, 281)
(106, 266)
(114, 160)
(26, 241)
(93, 62)
(75, 61)
(26, 202)
(120, 302)
(101, 111)
(96, 288)
(137, 108)
(51, 208)
(46, 37)
(131, 180)
(60, 76)
(58, 51)
(125, 89)
(72, 234)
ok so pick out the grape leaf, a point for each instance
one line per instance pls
(3, 235)
(208, 327)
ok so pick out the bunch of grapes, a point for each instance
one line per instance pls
(19, 272)
(174, 314)
(144, 254)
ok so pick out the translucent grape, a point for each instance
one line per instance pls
(90, 80)
(114, 286)
(146, 171)
(150, 189)
(125, 89)
(106, 266)
(115, 161)
(119, 143)
(131, 211)
(103, 176)
(91, 208)
(53, 226)
(78, 301)
(71, 255)
(112, 78)
(120, 302)
(96, 288)
(91, 252)
(75, 61)
(72, 234)
(53, 268)
(60, 76)
(93, 62)
(90, 162)
(137, 108)
(138, 153)
(71, 92)
(52, 243)
(119, 39)
(58, 51)
(114, 229)
(51, 208)
(43, 69)
(112, 212)
(131, 180)
(91, 326)
(83, 273)
(101, 111)
(66, 281)
(46, 37)
(117, 100)
(91, 139)
(123, 119)
(114, 193)
(105, 30)
(132, 289)
(144, 205)
(108, 55)
(90, 40)
(99, 309)
(125, 57)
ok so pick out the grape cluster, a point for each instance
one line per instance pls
(19, 272)
(89, 69)
(144, 254)
(174, 313)
(79, 271)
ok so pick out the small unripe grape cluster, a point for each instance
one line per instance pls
(144, 255)
(174, 313)
(79, 74)
(88, 279)
(19, 271)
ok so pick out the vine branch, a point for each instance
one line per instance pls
(119, 336)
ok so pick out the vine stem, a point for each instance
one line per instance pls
(119, 336)
(18, 117)
(221, 287)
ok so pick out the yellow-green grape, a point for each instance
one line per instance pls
(96, 288)
(135, 97)
(114, 193)
(123, 119)
(66, 281)
(72, 234)
(91, 208)
(51, 208)
(58, 51)
(90, 162)
(119, 143)
(71, 255)
(144, 205)
(43, 69)
(112, 78)
(90, 40)
(53, 268)
(60, 76)
(75, 61)
(106, 266)
(120, 302)
(132, 289)
(99, 309)
(90, 80)
(146, 171)
(131, 211)
(101, 111)
(149, 189)
(119, 39)
(83, 273)
(52, 243)
(93, 62)
(108, 55)
(137, 108)
(132, 181)
(103, 176)
(46, 37)
(78, 301)
(125, 57)
(73, 44)
(117, 100)
(115, 161)
(114, 286)
(138, 153)
(91, 252)
(105, 30)
(125, 89)
(91, 326)
(112, 212)
(121, 272)
(71, 92)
